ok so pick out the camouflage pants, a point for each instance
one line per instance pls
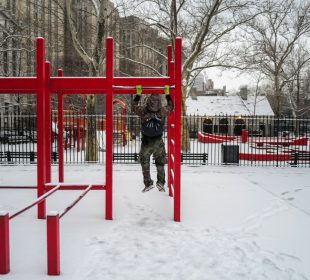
(157, 148)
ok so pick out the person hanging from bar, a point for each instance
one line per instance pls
(152, 115)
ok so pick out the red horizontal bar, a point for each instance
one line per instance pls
(133, 91)
(86, 85)
(143, 81)
(18, 187)
(82, 85)
(77, 84)
(40, 199)
(18, 85)
(78, 188)
(81, 92)
(62, 188)
(65, 211)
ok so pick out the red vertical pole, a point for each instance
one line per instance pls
(53, 244)
(60, 132)
(78, 133)
(170, 120)
(83, 123)
(48, 123)
(109, 128)
(178, 126)
(41, 129)
(4, 243)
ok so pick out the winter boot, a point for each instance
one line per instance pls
(146, 189)
(160, 187)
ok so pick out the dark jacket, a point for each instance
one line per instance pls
(152, 108)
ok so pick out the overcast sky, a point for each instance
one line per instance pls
(232, 79)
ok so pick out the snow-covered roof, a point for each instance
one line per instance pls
(229, 105)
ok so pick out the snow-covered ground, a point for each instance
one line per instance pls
(237, 223)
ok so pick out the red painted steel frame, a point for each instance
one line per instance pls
(4, 244)
(5, 230)
(53, 244)
(53, 237)
(41, 123)
(170, 122)
(109, 128)
(178, 130)
(48, 125)
(43, 85)
(60, 122)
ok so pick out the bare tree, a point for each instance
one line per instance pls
(20, 23)
(296, 67)
(270, 39)
(92, 53)
(207, 28)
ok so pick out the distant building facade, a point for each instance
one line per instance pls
(230, 113)
(202, 86)
(21, 22)
(139, 49)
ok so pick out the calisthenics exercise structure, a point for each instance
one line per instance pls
(43, 86)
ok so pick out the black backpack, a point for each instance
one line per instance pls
(153, 127)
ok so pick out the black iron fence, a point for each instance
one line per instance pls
(240, 140)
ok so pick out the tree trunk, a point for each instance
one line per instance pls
(278, 96)
(185, 127)
(92, 146)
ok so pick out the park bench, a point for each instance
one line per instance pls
(9, 156)
(200, 158)
(126, 157)
(299, 157)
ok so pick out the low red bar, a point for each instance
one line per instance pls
(53, 244)
(18, 85)
(77, 188)
(4, 243)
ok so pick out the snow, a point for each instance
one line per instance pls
(228, 105)
(237, 223)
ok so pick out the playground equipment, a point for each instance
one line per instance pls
(43, 85)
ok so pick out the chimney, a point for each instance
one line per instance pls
(244, 93)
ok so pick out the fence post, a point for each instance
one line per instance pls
(4, 243)
(31, 157)
(54, 155)
(204, 159)
(53, 245)
(8, 155)
(295, 159)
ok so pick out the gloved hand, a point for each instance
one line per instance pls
(167, 93)
(138, 93)
(167, 90)
(139, 90)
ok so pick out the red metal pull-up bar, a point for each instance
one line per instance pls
(43, 86)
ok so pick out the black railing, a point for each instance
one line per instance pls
(242, 140)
